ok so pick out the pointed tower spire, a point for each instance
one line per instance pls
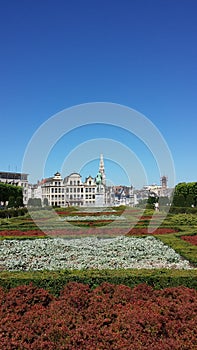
(102, 169)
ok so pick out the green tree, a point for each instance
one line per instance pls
(19, 202)
(11, 202)
(179, 200)
(189, 200)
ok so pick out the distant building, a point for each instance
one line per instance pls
(153, 191)
(74, 190)
(90, 189)
(17, 179)
(123, 195)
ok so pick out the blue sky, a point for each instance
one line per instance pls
(139, 53)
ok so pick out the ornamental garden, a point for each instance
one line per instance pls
(110, 278)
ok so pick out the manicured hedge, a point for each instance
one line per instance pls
(10, 213)
(55, 281)
(185, 249)
(182, 210)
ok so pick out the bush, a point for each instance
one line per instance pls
(9, 213)
(107, 317)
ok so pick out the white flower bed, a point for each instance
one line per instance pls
(92, 218)
(89, 252)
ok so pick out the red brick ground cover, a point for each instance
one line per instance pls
(190, 239)
(18, 233)
(107, 317)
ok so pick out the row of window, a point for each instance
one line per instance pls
(87, 196)
(68, 189)
(52, 190)
(75, 182)
(80, 189)
(78, 183)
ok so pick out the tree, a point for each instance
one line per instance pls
(179, 200)
(7, 191)
(11, 202)
(19, 202)
(185, 194)
(189, 200)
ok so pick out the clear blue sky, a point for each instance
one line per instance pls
(138, 53)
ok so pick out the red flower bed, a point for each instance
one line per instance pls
(190, 239)
(18, 233)
(106, 231)
(148, 217)
(108, 317)
(144, 231)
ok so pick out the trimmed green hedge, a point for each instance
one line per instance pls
(182, 210)
(185, 249)
(55, 281)
(10, 213)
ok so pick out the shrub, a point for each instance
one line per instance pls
(108, 317)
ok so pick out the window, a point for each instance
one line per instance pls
(75, 190)
(71, 182)
(90, 182)
(78, 182)
(82, 189)
(86, 189)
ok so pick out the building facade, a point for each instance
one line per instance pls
(53, 191)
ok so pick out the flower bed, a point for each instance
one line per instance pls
(93, 218)
(107, 317)
(88, 253)
(190, 239)
(18, 233)
(144, 231)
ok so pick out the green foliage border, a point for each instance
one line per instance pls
(56, 280)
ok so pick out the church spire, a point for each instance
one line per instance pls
(102, 169)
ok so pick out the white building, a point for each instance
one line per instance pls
(90, 189)
(74, 190)
(53, 190)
